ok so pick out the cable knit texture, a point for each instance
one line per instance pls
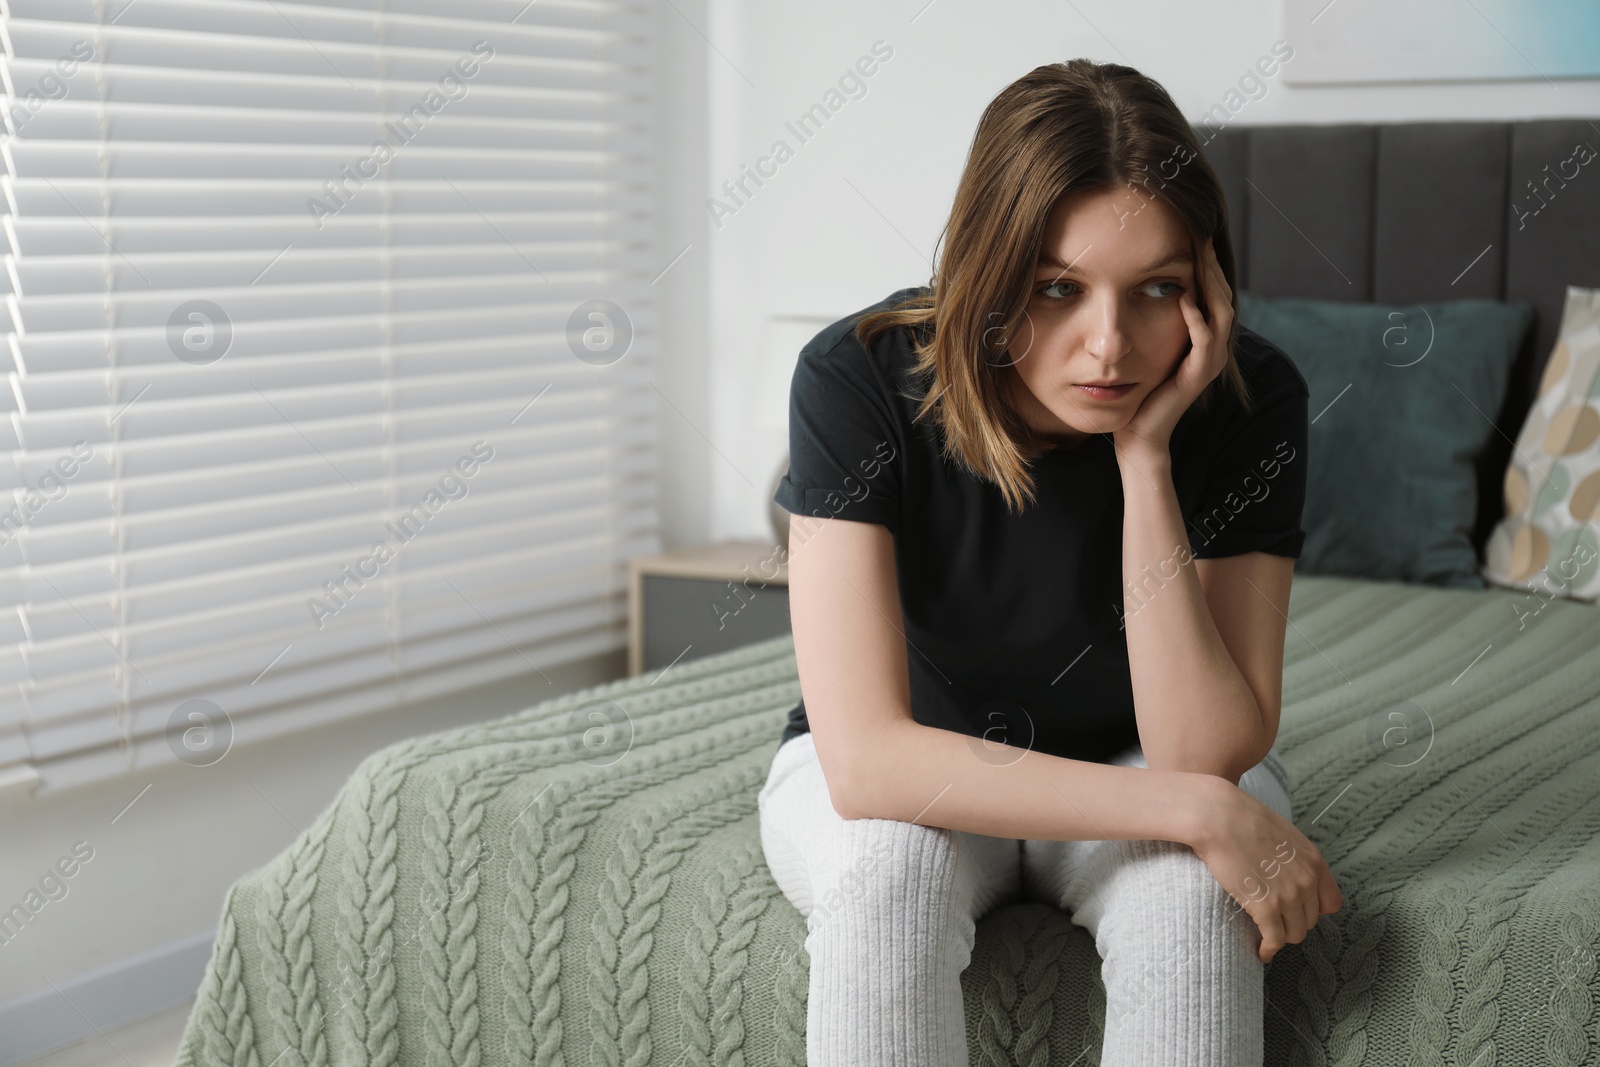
(487, 897)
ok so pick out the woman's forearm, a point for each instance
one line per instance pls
(1194, 707)
(936, 777)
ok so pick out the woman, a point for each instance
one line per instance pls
(1045, 516)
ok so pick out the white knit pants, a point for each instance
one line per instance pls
(891, 914)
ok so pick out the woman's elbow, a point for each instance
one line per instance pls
(846, 805)
(843, 780)
(859, 783)
(1229, 765)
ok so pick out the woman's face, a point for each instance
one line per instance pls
(1103, 309)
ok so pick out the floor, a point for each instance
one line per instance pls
(151, 1042)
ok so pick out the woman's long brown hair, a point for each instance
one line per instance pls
(1058, 129)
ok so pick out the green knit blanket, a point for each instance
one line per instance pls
(583, 882)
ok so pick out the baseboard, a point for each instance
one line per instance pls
(116, 995)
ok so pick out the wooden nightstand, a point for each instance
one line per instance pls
(699, 601)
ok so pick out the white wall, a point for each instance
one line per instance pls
(682, 241)
(855, 213)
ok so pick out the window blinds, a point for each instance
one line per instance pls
(328, 353)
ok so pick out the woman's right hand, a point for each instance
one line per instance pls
(1266, 864)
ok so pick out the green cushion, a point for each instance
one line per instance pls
(1403, 399)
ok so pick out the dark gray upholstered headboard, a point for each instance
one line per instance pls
(1394, 213)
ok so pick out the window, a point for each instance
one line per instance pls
(328, 358)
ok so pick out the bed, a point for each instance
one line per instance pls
(507, 894)
(485, 896)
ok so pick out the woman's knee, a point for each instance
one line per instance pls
(885, 864)
(897, 890)
(1159, 888)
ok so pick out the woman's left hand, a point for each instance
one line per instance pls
(1148, 433)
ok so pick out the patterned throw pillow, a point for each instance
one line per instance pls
(1549, 540)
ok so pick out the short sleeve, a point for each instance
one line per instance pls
(845, 445)
(1255, 485)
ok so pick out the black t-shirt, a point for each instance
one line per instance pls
(1013, 622)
